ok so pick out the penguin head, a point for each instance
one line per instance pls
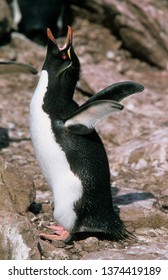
(62, 60)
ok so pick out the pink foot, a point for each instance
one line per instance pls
(59, 233)
(57, 229)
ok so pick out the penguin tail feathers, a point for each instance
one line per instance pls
(113, 230)
(117, 235)
(118, 231)
(120, 234)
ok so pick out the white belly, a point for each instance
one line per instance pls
(66, 186)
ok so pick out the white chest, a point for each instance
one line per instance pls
(66, 186)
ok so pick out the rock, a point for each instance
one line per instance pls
(1, 165)
(153, 246)
(92, 10)
(20, 42)
(77, 248)
(20, 187)
(128, 20)
(142, 217)
(6, 204)
(6, 21)
(49, 251)
(47, 207)
(90, 244)
(162, 203)
(17, 238)
(5, 200)
(100, 75)
(143, 153)
(60, 254)
(58, 243)
(141, 252)
(140, 25)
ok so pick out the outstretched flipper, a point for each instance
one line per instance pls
(89, 115)
(7, 67)
(116, 92)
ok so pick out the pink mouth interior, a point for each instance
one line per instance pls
(68, 38)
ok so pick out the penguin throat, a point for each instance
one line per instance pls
(64, 69)
(58, 101)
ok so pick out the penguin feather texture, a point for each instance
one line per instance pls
(52, 159)
(70, 152)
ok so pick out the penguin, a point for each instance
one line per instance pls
(7, 67)
(68, 149)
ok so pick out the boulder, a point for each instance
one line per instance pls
(20, 187)
(92, 10)
(6, 204)
(50, 252)
(141, 25)
(18, 238)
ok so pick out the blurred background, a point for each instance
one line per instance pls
(115, 40)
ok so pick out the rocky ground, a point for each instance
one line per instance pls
(135, 139)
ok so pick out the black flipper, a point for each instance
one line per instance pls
(116, 92)
(7, 67)
(84, 120)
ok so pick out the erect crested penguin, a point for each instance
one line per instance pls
(69, 151)
(7, 67)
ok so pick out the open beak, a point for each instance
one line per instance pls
(68, 42)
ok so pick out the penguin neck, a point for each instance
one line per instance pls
(58, 100)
